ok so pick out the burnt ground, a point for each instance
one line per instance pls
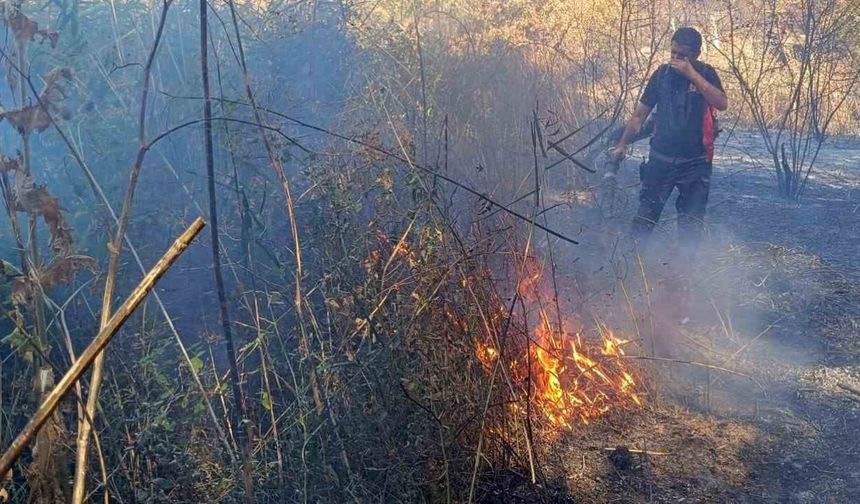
(773, 299)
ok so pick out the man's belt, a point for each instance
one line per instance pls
(676, 160)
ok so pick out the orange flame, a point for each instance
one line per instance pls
(487, 354)
(566, 388)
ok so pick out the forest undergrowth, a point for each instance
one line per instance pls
(380, 309)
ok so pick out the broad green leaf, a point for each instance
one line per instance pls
(196, 364)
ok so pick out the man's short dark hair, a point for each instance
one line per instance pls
(689, 37)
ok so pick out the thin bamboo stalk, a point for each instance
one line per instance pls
(79, 489)
(97, 345)
(239, 414)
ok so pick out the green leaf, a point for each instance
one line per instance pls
(266, 400)
(23, 344)
(196, 364)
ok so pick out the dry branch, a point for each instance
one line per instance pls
(97, 345)
(633, 450)
(114, 248)
(239, 408)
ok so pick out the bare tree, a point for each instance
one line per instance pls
(795, 67)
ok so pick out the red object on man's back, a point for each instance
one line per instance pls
(709, 133)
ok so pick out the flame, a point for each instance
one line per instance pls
(403, 248)
(487, 354)
(568, 379)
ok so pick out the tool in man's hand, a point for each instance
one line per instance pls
(610, 170)
(613, 163)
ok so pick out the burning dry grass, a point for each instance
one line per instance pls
(557, 375)
(433, 353)
(567, 378)
(555, 370)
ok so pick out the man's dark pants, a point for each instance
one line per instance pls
(660, 176)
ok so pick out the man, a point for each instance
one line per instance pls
(686, 92)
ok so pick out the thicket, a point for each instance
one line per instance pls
(380, 172)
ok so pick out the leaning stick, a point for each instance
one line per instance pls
(97, 345)
(639, 452)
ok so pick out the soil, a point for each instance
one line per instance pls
(773, 300)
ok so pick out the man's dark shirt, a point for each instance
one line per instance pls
(685, 125)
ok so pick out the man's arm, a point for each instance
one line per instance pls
(713, 94)
(634, 124)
